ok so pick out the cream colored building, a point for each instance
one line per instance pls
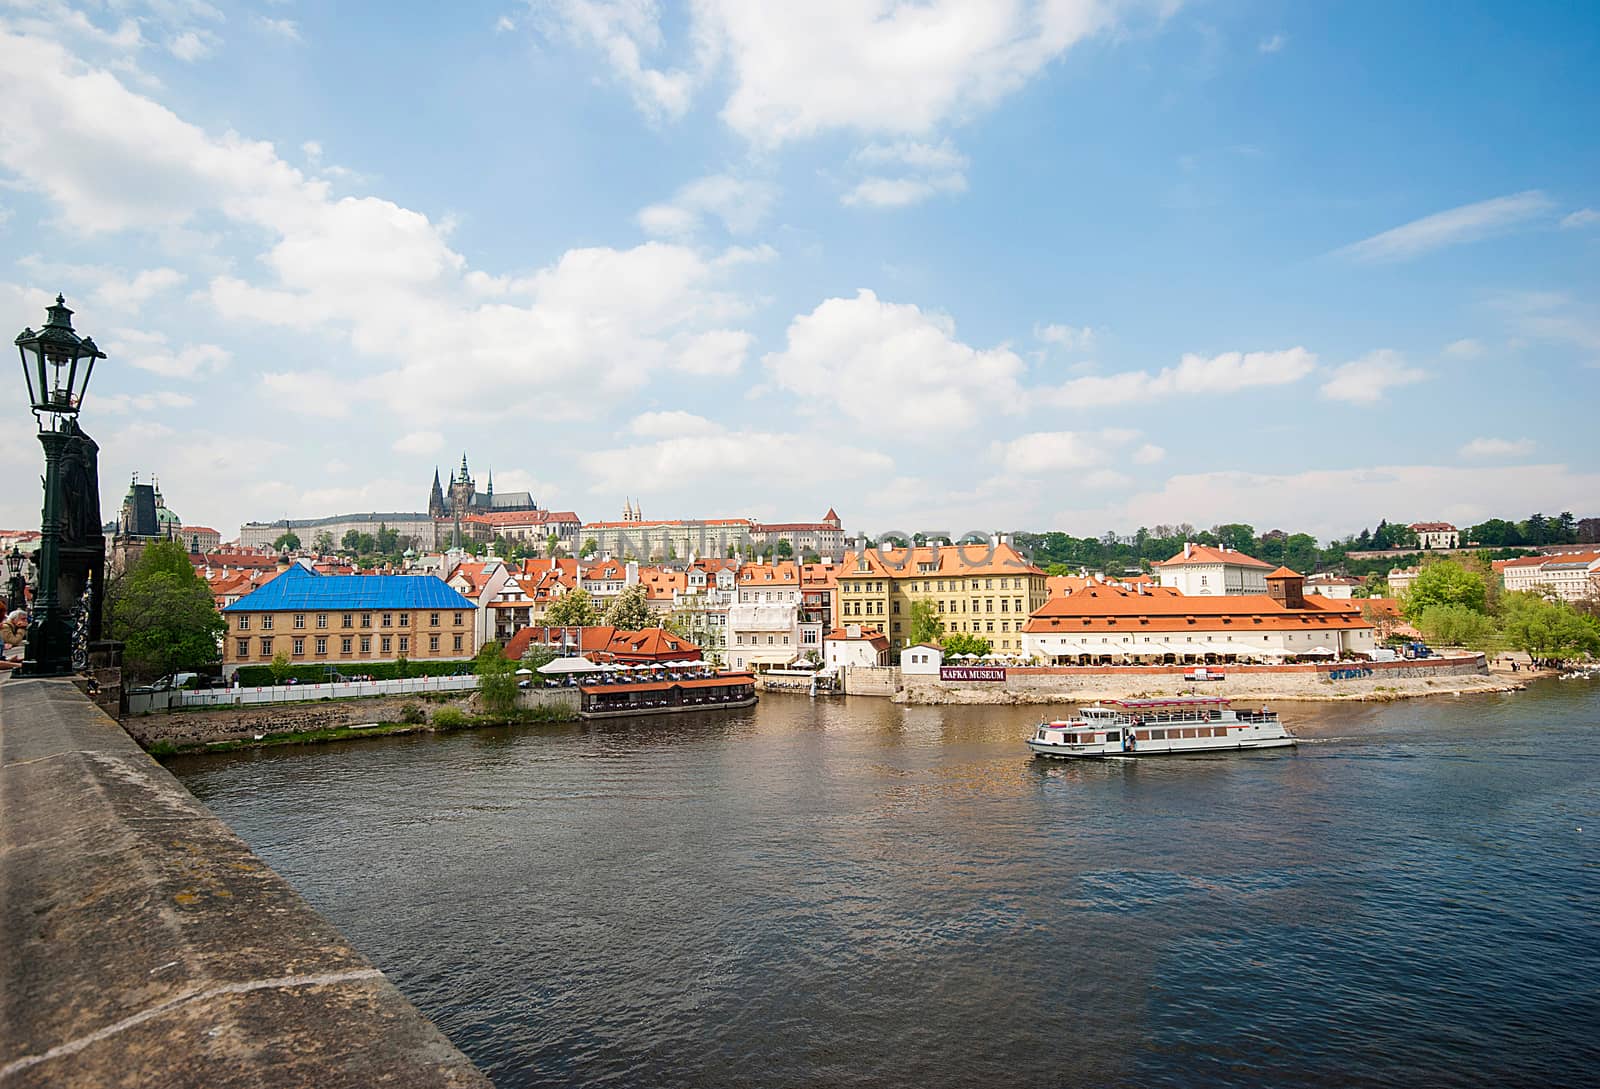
(987, 590)
(1203, 571)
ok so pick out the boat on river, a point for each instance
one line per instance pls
(672, 690)
(1159, 727)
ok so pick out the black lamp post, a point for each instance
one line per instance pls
(57, 364)
(16, 585)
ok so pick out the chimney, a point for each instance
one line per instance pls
(631, 574)
(852, 631)
(1188, 549)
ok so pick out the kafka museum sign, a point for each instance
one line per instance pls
(972, 673)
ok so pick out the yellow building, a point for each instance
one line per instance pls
(341, 620)
(981, 589)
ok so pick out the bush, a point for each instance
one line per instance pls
(449, 718)
(253, 676)
(412, 713)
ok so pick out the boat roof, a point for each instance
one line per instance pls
(663, 686)
(1171, 701)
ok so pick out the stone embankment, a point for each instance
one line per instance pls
(204, 726)
(143, 944)
(1387, 681)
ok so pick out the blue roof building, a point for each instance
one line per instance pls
(300, 589)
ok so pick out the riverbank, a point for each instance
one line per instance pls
(1379, 682)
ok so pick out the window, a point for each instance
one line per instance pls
(300, 620)
(345, 622)
(387, 621)
(1005, 604)
(457, 620)
(344, 644)
(366, 620)
(988, 605)
(405, 643)
(405, 620)
(299, 646)
(770, 640)
(322, 620)
(433, 643)
(266, 644)
(366, 644)
(266, 621)
(385, 644)
(991, 625)
(244, 648)
(322, 644)
(433, 619)
(244, 621)
(897, 607)
(457, 642)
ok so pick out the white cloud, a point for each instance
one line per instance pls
(1273, 44)
(120, 404)
(1552, 316)
(419, 442)
(191, 45)
(1498, 448)
(310, 393)
(1051, 453)
(107, 287)
(1194, 374)
(1583, 217)
(1072, 338)
(685, 462)
(801, 69)
(894, 367)
(1367, 380)
(719, 352)
(151, 352)
(1468, 223)
(278, 28)
(907, 172)
(672, 424)
(1465, 348)
(741, 204)
(1148, 454)
(1334, 502)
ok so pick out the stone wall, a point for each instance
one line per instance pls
(142, 943)
(236, 723)
(870, 680)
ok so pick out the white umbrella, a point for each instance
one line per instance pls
(1318, 652)
(524, 672)
(579, 664)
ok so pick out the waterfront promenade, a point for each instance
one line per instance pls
(143, 944)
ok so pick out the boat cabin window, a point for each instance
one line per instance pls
(1113, 735)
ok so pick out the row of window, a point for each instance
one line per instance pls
(929, 586)
(386, 645)
(385, 620)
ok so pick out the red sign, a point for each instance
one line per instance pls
(972, 673)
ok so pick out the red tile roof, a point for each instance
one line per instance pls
(1107, 608)
(1205, 554)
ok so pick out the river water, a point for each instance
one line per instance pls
(853, 893)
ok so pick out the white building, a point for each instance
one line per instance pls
(1400, 580)
(1200, 571)
(480, 583)
(923, 659)
(1104, 623)
(1436, 534)
(1338, 587)
(855, 646)
(1571, 576)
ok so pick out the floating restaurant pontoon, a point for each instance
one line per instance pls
(1159, 727)
(665, 691)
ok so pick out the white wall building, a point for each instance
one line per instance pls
(1571, 576)
(1202, 571)
(855, 646)
(1436, 534)
(923, 659)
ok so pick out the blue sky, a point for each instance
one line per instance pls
(949, 265)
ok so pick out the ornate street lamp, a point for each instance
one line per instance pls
(16, 584)
(57, 364)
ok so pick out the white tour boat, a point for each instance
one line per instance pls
(1159, 727)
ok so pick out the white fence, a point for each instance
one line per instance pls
(141, 702)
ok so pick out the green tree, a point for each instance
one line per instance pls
(497, 680)
(785, 549)
(351, 542)
(1549, 629)
(590, 546)
(387, 540)
(573, 609)
(164, 614)
(287, 541)
(961, 642)
(281, 667)
(402, 667)
(927, 626)
(323, 542)
(552, 543)
(811, 557)
(1445, 583)
(631, 610)
(1456, 626)
(538, 654)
